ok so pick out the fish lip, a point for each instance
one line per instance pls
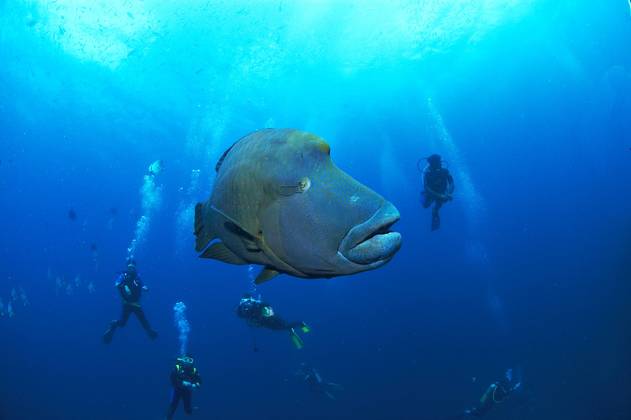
(374, 231)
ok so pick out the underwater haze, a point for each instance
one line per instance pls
(527, 101)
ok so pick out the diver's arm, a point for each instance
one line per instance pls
(123, 289)
(428, 190)
(197, 381)
(432, 192)
(518, 384)
(451, 186)
(329, 395)
(191, 385)
(317, 376)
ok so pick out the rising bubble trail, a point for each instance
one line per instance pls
(184, 328)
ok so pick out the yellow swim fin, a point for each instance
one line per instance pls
(296, 339)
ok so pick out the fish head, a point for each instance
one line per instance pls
(321, 221)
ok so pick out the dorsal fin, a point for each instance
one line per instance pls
(223, 156)
(234, 226)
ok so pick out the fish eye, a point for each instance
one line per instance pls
(299, 187)
(304, 184)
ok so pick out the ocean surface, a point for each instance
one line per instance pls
(528, 102)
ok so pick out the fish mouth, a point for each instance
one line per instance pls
(372, 242)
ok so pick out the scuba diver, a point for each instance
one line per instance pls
(438, 187)
(130, 288)
(260, 314)
(315, 382)
(495, 394)
(184, 378)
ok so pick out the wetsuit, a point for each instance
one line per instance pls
(314, 381)
(317, 385)
(495, 394)
(437, 181)
(184, 378)
(130, 289)
(256, 314)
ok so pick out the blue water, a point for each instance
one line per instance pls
(528, 101)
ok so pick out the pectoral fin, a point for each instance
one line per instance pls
(266, 275)
(249, 240)
(221, 252)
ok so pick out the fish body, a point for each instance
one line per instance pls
(279, 201)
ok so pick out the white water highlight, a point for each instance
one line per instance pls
(151, 199)
(184, 328)
(465, 188)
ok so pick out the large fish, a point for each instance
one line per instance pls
(279, 201)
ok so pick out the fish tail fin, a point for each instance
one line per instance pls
(203, 234)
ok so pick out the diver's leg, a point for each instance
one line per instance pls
(175, 399)
(109, 333)
(187, 400)
(127, 309)
(295, 324)
(330, 388)
(276, 323)
(140, 314)
(295, 339)
(335, 386)
(427, 201)
(436, 215)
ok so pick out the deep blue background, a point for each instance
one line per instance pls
(530, 269)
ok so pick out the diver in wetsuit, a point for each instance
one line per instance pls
(315, 382)
(130, 288)
(260, 314)
(495, 394)
(184, 378)
(438, 187)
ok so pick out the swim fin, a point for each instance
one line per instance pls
(435, 221)
(109, 334)
(296, 339)
(305, 328)
(153, 334)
